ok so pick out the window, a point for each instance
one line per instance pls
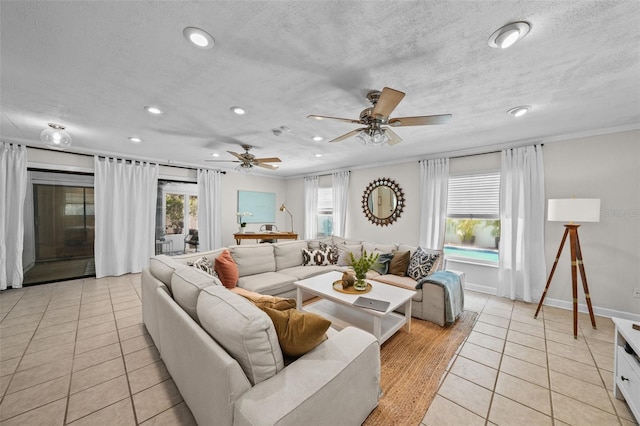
(473, 217)
(174, 213)
(324, 213)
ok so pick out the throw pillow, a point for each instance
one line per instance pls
(314, 258)
(399, 263)
(382, 265)
(266, 301)
(298, 332)
(421, 264)
(205, 265)
(226, 269)
(332, 252)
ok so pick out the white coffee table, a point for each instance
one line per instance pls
(339, 309)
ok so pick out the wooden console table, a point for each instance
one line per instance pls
(265, 236)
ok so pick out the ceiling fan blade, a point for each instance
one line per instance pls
(324, 117)
(389, 100)
(267, 160)
(266, 166)
(235, 154)
(348, 135)
(420, 121)
(393, 136)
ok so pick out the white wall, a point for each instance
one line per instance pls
(605, 167)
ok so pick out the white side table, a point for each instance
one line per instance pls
(626, 376)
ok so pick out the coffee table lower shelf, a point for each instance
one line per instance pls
(341, 316)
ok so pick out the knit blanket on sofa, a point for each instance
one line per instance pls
(453, 294)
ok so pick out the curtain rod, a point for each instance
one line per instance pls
(481, 153)
(126, 159)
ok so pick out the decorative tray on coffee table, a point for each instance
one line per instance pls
(337, 286)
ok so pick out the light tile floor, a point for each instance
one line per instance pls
(77, 352)
(517, 370)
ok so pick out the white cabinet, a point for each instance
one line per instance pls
(626, 374)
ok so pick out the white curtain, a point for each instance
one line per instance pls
(522, 264)
(125, 212)
(310, 207)
(340, 197)
(13, 188)
(209, 208)
(434, 180)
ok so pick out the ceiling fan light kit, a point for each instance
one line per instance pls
(373, 118)
(56, 136)
(506, 36)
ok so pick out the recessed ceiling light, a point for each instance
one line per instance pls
(317, 155)
(215, 154)
(238, 110)
(520, 110)
(135, 139)
(199, 38)
(509, 34)
(317, 138)
(153, 110)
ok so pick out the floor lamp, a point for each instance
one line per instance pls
(570, 210)
(283, 209)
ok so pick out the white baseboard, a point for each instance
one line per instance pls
(480, 288)
(563, 304)
(603, 312)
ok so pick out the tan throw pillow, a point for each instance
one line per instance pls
(298, 332)
(266, 301)
(399, 263)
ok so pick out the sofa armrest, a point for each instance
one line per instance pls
(337, 383)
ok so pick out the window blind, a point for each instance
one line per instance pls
(474, 196)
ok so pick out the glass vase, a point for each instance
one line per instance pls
(360, 284)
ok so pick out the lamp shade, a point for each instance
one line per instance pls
(574, 210)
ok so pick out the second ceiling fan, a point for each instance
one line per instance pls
(377, 121)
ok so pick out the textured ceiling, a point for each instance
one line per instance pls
(93, 65)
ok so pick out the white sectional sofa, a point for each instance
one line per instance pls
(192, 319)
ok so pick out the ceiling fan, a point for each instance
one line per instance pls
(374, 118)
(249, 161)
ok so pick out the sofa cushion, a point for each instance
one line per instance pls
(162, 267)
(315, 257)
(399, 263)
(422, 264)
(298, 332)
(289, 253)
(226, 269)
(243, 330)
(186, 284)
(404, 247)
(265, 300)
(254, 259)
(404, 282)
(382, 248)
(333, 254)
(302, 272)
(343, 241)
(317, 244)
(344, 250)
(268, 283)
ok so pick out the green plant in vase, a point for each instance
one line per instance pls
(360, 266)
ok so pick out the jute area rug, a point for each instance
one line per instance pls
(411, 367)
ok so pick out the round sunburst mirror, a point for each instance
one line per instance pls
(383, 201)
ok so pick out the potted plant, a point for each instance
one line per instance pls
(243, 224)
(465, 230)
(360, 267)
(495, 230)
